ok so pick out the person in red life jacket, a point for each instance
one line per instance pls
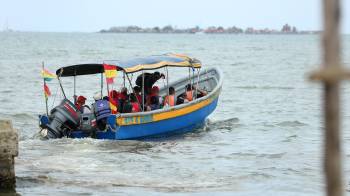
(169, 100)
(135, 105)
(80, 104)
(122, 98)
(137, 91)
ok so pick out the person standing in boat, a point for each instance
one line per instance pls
(101, 110)
(149, 80)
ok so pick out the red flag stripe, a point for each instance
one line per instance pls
(47, 90)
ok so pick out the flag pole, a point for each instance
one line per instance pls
(47, 109)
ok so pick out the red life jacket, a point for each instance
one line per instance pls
(169, 100)
(189, 95)
(135, 107)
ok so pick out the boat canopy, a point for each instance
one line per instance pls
(155, 62)
(132, 65)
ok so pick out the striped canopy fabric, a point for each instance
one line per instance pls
(155, 62)
(132, 65)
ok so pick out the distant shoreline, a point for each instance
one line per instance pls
(286, 29)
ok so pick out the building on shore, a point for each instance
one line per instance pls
(168, 29)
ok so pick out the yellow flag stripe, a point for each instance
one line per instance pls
(110, 73)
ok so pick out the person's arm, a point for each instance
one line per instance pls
(202, 92)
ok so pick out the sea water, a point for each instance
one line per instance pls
(265, 136)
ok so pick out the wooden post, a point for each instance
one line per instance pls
(8, 150)
(331, 45)
(331, 75)
(331, 60)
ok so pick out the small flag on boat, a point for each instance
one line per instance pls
(110, 73)
(47, 91)
(113, 101)
(113, 107)
(48, 76)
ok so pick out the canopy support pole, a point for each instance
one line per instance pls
(192, 78)
(189, 76)
(101, 84)
(198, 72)
(167, 83)
(143, 90)
(47, 109)
(75, 96)
(127, 76)
(59, 81)
(107, 85)
(124, 79)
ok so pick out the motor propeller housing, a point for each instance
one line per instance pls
(64, 118)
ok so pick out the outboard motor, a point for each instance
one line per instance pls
(63, 119)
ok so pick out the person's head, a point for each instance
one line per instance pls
(158, 75)
(106, 98)
(154, 100)
(97, 96)
(124, 91)
(155, 90)
(189, 87)
(81, 100)
(132, 98)
(113, 94)
(171, 90)
(137, 89)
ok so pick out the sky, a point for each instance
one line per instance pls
(94, 15)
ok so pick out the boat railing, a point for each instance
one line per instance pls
(166, 109)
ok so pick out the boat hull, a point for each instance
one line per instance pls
(173, 125)
(180, 124)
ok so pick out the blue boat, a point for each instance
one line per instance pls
(65, 120)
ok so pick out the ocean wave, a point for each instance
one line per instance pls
(269, 156)
(265, 87)
(227, 124)
(22, 116)
(291, 124)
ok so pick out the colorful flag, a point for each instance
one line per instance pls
(113, 107)
(47, 91)
(113, 101)
(47, 75)
(110, 72)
